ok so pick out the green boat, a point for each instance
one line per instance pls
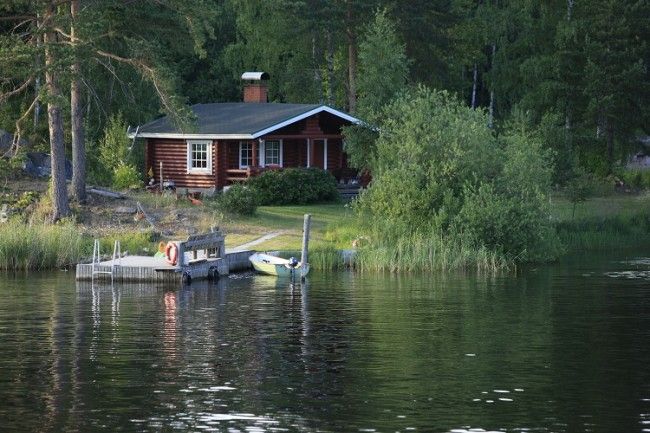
(271, 265)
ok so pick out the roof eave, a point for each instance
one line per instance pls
(250, 136)
(190, 136)
(304, 115)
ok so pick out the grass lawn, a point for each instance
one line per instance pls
(600, 207)
(603, 223)
(334, 224)
(331, 224)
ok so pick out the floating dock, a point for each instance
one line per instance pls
(199, 257)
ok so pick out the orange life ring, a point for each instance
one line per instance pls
(171, 253)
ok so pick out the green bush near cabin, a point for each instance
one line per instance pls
(238, 200)
(126, 176)
(635, 178)
(441, 174)
(294, 186)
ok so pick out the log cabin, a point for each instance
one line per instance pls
(234, 141)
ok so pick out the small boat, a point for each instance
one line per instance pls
(272, 265)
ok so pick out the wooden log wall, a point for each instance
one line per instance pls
(173, 155)
(334, 154)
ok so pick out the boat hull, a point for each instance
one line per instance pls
(276, 266)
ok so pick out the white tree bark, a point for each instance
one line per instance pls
(474, 85)
(491, 109)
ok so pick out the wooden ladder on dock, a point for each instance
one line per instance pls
(117, 254)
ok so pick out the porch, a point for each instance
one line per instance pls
(245, 159)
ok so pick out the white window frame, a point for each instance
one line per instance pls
(248, 143)
(308, 153)
(309, 143)
(206, 170)
(280, 156)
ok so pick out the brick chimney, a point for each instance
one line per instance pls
(256, 88)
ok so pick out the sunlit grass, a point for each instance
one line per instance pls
(331, 224)
(37, 246)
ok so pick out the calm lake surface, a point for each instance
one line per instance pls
(561, 348)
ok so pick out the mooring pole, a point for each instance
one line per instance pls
(305, 245)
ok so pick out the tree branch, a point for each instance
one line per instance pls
(17, 90)
(62, 33)
(18, 133)
(18, 17)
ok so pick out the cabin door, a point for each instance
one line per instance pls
(319, 153)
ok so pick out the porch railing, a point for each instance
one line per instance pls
(237, 175)
(242, 174)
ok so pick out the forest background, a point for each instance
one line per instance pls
(569, 76)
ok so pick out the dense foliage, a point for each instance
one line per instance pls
(582, 66)
(294, 186)
(238, 200)
(112, 162)
(441, 173)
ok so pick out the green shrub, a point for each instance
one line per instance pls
(239, 200)
(441, 173)
(638, 179)
(579, 187)
(294, 186)
(126, 176)
(110, 157)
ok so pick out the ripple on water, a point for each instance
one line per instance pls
(629, 275)
(641, 261)
(634, 274)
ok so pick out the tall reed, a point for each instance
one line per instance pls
(624, 230)
(24, 246)
(429, 254)
(321, 258)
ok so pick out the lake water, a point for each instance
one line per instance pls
(560, 348)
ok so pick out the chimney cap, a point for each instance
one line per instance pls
(255, 76)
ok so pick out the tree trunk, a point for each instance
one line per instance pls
(474, 85)
(37, 106)
(37, 82)
(352, 58)
(77, 121)
(315, 55)
(569, 9)
(610, 147)
(60, 207)
(491, 110)
(330, 68)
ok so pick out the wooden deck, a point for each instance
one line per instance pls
(200, 257)
(157, 270)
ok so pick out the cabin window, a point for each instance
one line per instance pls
(199, 157)
(245, 154)
(273, 152)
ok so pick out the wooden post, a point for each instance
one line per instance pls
(161, 177)
(181, 255)
(305, 244)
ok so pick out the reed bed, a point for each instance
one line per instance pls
(420, 254)
(321, 258)
(24, 247)
(625, 230)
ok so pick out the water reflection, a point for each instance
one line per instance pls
(561, 348)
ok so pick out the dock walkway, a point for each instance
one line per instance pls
(200, 257)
